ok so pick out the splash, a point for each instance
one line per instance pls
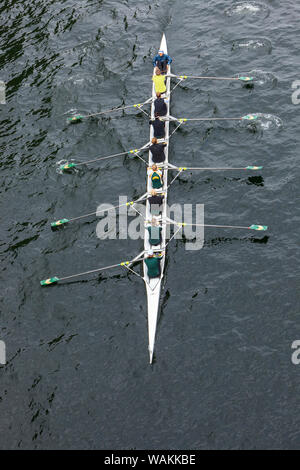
(264, 122)
(255, 44)
(264, 79)
(269, 121)
(63, 162)
(247, 9)
(71, 111)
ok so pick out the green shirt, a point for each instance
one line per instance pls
(153, 266)
(154, 234)
(156, 180)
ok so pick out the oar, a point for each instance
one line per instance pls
(184, 77)
(64, 221)
(228, 168)
(79, 117)
(248, 117)
(55, 279)
(252, 227)
(67, 165)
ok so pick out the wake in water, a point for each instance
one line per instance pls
(266, 80)
(249, 9)
(262, 45)
(264, 122)
(64, 162)
(269, 121)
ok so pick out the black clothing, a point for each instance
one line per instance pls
(160, 107)
(158, 153)
(159, 128)
(155, 203)
(162, 65)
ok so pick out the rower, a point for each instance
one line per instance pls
(158, 126)
(160, 106)
(162, 61)
(155, 201)
(159, 82)
(157, 150)
(153, 265)
(154, 230)
(156, 177)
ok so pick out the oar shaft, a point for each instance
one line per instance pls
(127, 263)
(215, 119)
(170, 222)
(95, 213)
(216, 226)
(101, 158)
(130, 203)
(184, 77)
(196, 168)
(82, 216)
(212, 78)
(88, 272)
(107, 111)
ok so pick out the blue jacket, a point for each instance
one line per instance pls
(159, 58)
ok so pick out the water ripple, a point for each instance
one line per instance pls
(247, 9)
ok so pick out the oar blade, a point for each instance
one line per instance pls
(253, 167)
(49, 281)
(246, 79)
(76, 118)
(58, 223)
(67, 166)
(258, 227)
(250, 117)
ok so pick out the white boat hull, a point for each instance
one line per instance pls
(153, 286)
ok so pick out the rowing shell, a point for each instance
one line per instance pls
(153, 286)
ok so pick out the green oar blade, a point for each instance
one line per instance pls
(250, 117)
(51, 280)
(246, 79)
(76, 118)
(258, 227)
(60, 222)
(67, 166)
(254, 167)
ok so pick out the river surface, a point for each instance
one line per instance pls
(77, 372)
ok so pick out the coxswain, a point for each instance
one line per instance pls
(154, 230)
(162, 61)
(153, 264)
(157, 150)
(155, 201)
(158, 127)
(160, 106)
(159, 82)
(155, 176)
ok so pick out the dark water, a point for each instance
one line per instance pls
(77, 373)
